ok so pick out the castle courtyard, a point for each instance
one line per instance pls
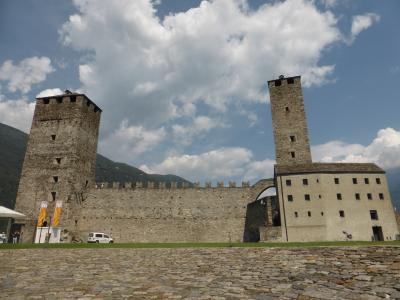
(201, 273)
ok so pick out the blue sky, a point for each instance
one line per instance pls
(183, 83)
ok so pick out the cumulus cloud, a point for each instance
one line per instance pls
(50, 92)
(219, 164)
(16, 113)
(201, 124)
(128, 141)
(384, 150)
(218, 53)
(26, 73)
(362, 22)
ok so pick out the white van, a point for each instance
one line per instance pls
(99, 237)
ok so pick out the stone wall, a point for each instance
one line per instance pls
(135, 214)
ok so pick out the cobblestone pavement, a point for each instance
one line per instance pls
(209, 273)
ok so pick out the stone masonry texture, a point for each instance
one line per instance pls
(289, 121)
(202, 273)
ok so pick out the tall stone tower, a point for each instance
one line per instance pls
(60, 158)
(292, 144)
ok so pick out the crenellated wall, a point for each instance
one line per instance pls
(155, 213)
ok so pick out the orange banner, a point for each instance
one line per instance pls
(57, 213)
(42, 213)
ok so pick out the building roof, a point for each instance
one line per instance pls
(327, 168)
(68, 93)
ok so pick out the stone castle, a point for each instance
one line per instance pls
(313, 202)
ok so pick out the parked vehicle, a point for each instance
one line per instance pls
(99, 237)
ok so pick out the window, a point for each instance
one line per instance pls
(46, 101)
(305, 181)
(339, 196)
(357, 196)
(292, 154)
(53, 137)
(278, 82)
(374, 214)
(381, 196)
(99, 235)
(309, 213)
(296, 214)
(307, 197)
(55, 178)
(366, 180)
(73, 98)
(378, 181)
(290, 198)
(59, 99)
(58, 160)
(319, 196)
(106, 236)
(288, 182)
(336, 180)
(355, 181)
(287, 109)
(53, 195)
(290, 81)
(292, 138)
(369, 196)
(341, 213)
(322, 213)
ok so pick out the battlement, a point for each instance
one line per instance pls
(166, 185)
(69, 98)
(282, 80)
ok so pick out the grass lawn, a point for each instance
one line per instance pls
(196, 245)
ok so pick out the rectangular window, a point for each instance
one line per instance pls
(381, 196)
(307, 197)
(72, 98)
(309, 213)
(53, 137)
(290, 81)
(374, 214)
(296, 214)
(53, 195)
(378, 181)
(58, 160)
(339, 196)
(278, 82)
(288, 182)
(59, 99)
(369, 196)
(305, 181)
(293, 154)
(287, 109)
(290, 198)
(46, 101)
(355, 181)
(292, 138)
(366, 180)
(357, 196)
(336, 180)
(341, 213)
(55, 178)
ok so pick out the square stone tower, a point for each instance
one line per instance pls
(60, 159)
(292, 144)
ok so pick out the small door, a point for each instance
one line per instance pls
(377, 233)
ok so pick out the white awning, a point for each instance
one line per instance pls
(9, 213)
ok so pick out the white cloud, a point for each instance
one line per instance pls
(362, 22)
(142, 68)
(16, 113)
(129, 141)
(201, 124)
(26, 73)
(384, 150)
(50, 92)
(219, 164)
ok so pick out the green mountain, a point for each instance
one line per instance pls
(12, 151)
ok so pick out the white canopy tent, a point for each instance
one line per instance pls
(9, 213)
